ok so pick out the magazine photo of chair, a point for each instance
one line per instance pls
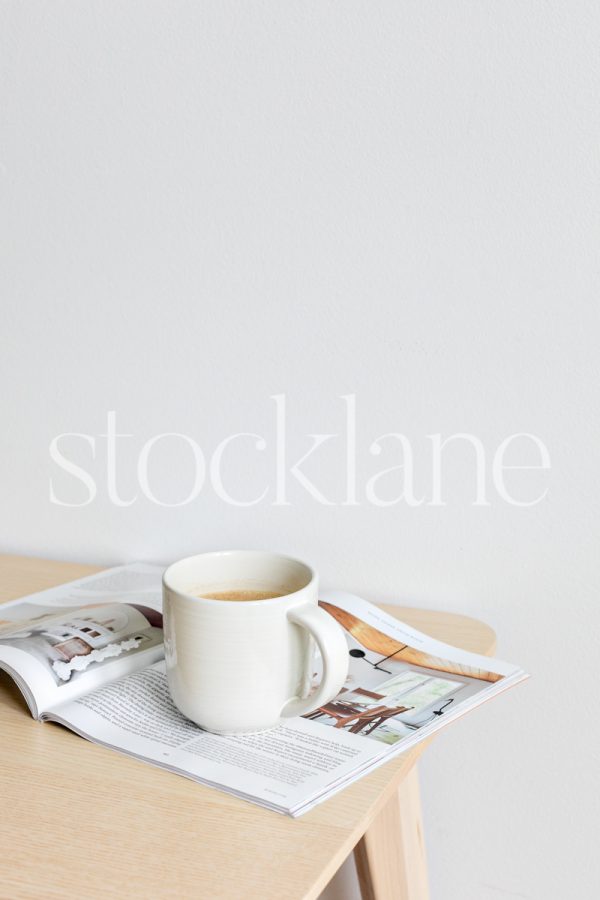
(360, 711)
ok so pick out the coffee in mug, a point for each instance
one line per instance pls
(241, 595)
(239, 633)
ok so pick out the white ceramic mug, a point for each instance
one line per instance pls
(245, 666)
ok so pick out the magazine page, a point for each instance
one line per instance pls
(61, 642)
(279, 768)
(401, 687)
(405, 684)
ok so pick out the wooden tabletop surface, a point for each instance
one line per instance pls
(81, 819)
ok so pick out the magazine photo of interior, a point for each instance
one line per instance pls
(392, 688)
(69, 643)
(393, 709)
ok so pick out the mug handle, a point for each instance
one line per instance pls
(334, 652)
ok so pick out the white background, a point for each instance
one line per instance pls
(207, 204)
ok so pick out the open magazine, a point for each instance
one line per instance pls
(89, 655)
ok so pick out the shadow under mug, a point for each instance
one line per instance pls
(246, 666)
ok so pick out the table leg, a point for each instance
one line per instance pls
(390, 857)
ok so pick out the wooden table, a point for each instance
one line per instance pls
(78, 818)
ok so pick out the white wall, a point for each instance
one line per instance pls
(206, 204)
